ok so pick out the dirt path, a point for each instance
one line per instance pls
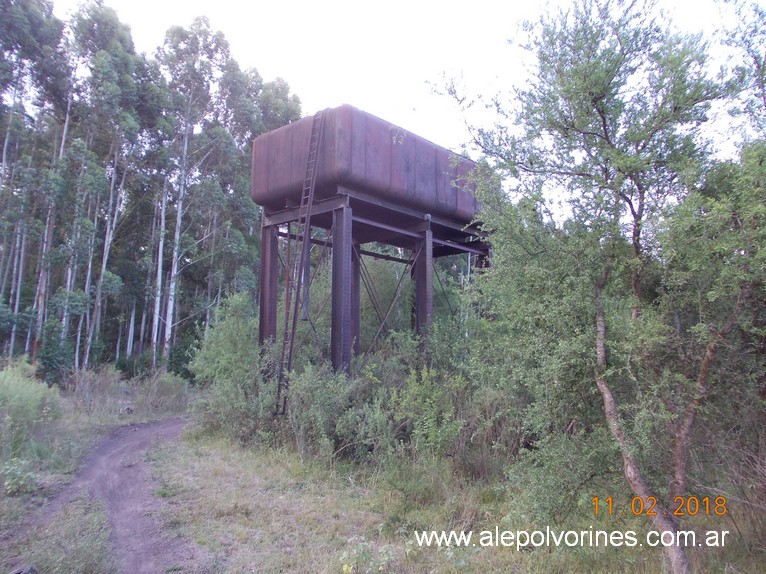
(117, 473)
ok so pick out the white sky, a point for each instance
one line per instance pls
(384, 57)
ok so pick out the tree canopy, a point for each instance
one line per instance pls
(125, 212)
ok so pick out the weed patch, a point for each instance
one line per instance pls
(75, 541)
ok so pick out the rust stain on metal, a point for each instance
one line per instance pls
(370, 181)
(366, 154)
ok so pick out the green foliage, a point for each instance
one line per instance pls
(182, 352)
(55, 356)
(18, 478)
(229, 362)
(365, 431)
(98, 138)
(556, 480)
(365, 557)
(317, 401)
(26, 407)
(426, 403)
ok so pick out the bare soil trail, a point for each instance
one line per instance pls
(117, 473)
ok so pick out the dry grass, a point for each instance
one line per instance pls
(75, 541)
(261, 512)
(265, 511)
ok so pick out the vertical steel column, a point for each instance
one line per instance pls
(268, 276)
(424, 284)
(342, 249)
(356, 301)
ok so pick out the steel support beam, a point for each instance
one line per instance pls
(292, 214)
(268, 276)
(422, 271)
(342, 250)
(356, 302)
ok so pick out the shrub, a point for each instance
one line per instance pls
(56, 355)
(562, 472)
(26, 407)
(98, 391)
(229, 362)
(427, 402)
(318, 398)
(161, 393)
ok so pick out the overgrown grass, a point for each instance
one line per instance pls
(327, 489)
(267, 510)
(76, 540)
(261, 510)
(46, 432)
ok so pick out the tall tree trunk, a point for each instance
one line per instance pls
(158, 280)
(38, 271)
(19, 283)
(638, 484)
(173, 283)
(6, 259)
(131, 330)
(74, 255)
(65, 130)
(120, 324)
(93, 323)
(41, 294)
(209, 306)
(7, 139)
(142, 329)
(115, 200)
(78, 341)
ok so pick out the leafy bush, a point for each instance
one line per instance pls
(318, 399)
(365, 431)
(27, 406)
(229, 362)
(18, 478)
(427, 403)
(562, 472)
(56, 355)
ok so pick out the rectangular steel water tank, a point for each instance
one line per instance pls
(363, 153)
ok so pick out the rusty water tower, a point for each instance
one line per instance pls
(364, 180)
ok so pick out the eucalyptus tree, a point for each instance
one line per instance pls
(218, 109)
(34, 82)
(609, 120)
(111, 128)
(278, 106)
(192, 60)
(103, 150)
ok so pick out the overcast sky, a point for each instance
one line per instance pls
(384, 57)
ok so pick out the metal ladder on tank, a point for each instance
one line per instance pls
(297, 268)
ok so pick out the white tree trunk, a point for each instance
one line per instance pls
(175, 263)
(158, 280)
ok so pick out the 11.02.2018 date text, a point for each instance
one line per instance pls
(684, 505)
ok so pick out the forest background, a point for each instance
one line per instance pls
(615, 348)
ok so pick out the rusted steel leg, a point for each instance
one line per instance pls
(424, 286)
(268, 275)
(341, 290)
(356, 302)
